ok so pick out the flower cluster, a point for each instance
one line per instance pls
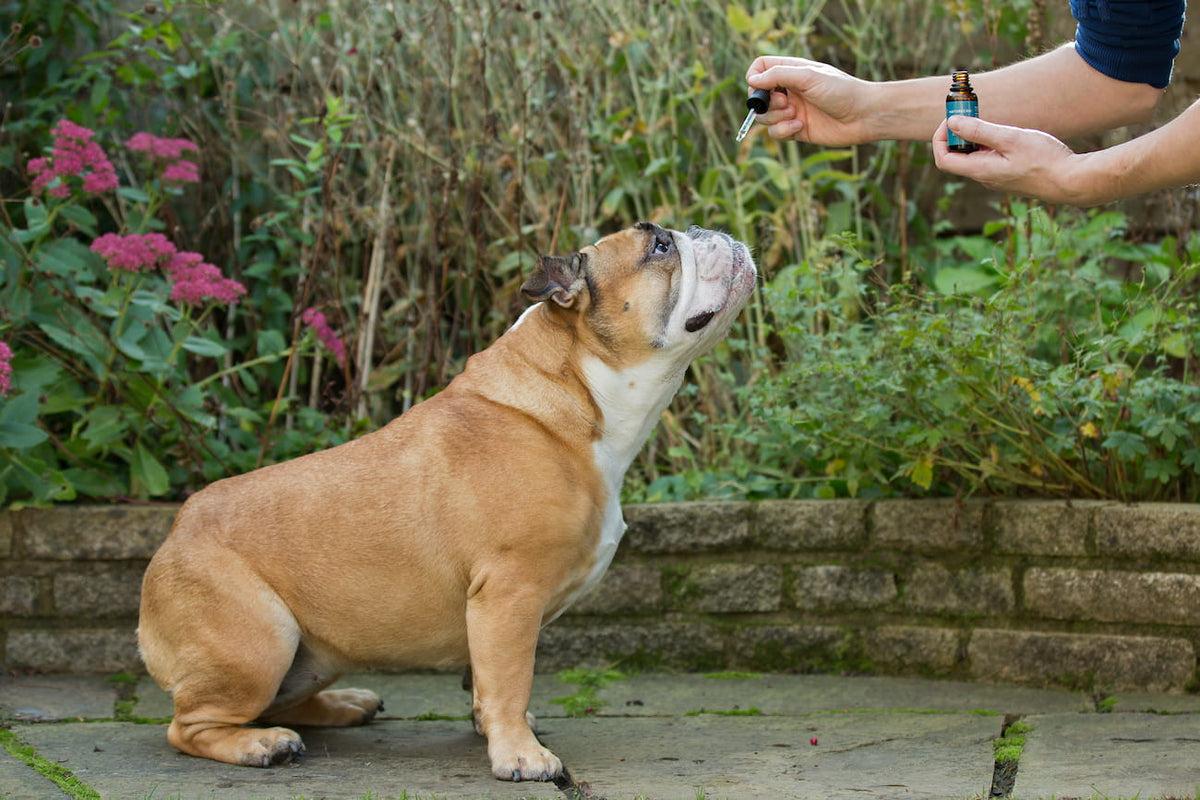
(6, 355)
(320, 326)
(74, 155)
(135, 252)
(194, 280)
(176, 169)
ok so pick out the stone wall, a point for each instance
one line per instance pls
(1091, 595)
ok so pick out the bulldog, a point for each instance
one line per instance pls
(451, 535)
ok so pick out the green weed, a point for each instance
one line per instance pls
(1008, 748)
(732, 675)
(62, 777)
(752, 711)
(585, 701)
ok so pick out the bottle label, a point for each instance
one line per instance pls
(965, 108)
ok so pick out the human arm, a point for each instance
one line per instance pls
(1057, 92)
(1035, 164)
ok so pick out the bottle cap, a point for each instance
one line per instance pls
(758, 101)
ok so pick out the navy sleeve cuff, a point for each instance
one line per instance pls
(1130, 40)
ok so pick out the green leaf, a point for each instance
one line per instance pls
(1161, 470)
(103, 426)
(155, 302)
(147, 470)
(99, 96)
(204, 347)
(84, 219)
(1127, 445)
(40, 480)
(133, 194)
(964, 280)
(20, 437)
(93, 484)
(32, 374)
(36, 218)
(270, 342)
(35, 213)
(129, 342)
(68, 258)
(18, 422)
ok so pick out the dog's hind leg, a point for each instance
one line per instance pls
(222, 655)
(300, 700)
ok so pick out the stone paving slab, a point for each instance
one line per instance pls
(856, 756)
(659, 694)
(876, 737)
(45, 698)
(1114, 755)
(134, 762)
(667, 758)
(17, 781)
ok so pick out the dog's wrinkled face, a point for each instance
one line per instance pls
(648, 292)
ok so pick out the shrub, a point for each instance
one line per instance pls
(379, 177)
(1053, 377)
(119, 380)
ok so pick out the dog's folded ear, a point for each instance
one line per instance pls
(562, 279)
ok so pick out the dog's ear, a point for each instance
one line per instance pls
(562, 279)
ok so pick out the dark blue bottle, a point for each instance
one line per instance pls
(963, 101)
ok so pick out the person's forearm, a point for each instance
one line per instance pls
(1057, 92)
(1163, 158)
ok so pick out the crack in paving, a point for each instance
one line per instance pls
(572, 790)
(1004, 771)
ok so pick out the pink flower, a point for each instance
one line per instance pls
(193, 280)
(100, 182)
(6, 355)
(181, 172)
(316, 321)
(170, 152)
(74, 155)
(158, 147)
(41, 171)
(135, 252)
(196, 281)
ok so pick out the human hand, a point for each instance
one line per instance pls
(1016, 160)
(822, 104)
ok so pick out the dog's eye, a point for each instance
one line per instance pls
(663, 244)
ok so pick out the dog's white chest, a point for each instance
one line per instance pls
(611, 531)
(631, 400)
(612, 528)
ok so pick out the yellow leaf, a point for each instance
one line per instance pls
(922, 473)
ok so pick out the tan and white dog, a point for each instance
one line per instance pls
(451, 535)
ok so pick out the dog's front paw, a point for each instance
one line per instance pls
(530, 763)
(272, 746)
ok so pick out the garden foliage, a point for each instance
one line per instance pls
(236, 232)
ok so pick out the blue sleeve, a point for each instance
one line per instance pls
(1130, 40)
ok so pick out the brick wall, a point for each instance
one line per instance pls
(1086, 595)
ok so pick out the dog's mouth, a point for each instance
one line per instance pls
(699, 322)
(738, 266)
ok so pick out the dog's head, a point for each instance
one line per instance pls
(648, 293)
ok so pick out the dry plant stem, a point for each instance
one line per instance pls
(373, 289)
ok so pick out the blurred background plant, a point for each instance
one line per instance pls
(395, 168)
